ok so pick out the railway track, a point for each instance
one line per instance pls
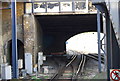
(95, 58)
(61, 71)
(80, 68)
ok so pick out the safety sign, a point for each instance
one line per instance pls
(115, 74)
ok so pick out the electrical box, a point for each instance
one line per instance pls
(20, 63)
(6, 72)
(28, 63)
(41, 58)
(46, 69)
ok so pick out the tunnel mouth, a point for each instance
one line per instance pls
(84, 43)
(20, 51)
(57, 29)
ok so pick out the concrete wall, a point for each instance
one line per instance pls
(38, 37)
(32, 36)
(1, 42)
(6, 27)
(28, 31)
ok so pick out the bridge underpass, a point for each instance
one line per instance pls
(57, 29)
(112, 34)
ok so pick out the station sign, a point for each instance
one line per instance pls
(58, 6)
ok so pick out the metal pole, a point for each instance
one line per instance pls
(108, 45)
(14, 41)
(99, 41)
(105, 48)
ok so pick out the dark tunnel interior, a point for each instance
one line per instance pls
(20, 51)
(59, 28)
